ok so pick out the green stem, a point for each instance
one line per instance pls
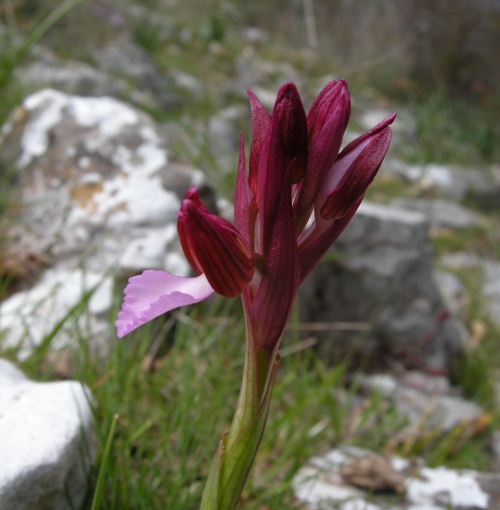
(237, 449)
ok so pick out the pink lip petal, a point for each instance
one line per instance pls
(154, 293)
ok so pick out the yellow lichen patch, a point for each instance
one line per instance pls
(122, 206)
(83, 195)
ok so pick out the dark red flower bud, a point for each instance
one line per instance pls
(293, 130)
(355, 169)
(214, 247)
(327, 121)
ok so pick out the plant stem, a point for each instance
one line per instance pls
(237, 450)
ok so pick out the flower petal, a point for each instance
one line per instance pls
(324, 105)
(154, 293)
(328, 125)
(242, 197)
(261, 121)
(373, 131)
(214, 247)
(347, 181)
(271, 177)
(318, 240)
(293, 129)
(276, 293)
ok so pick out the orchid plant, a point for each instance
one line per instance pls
(298, 196)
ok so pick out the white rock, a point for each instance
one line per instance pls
(427, 401)
(47, 442)
(446, 487)
(28, 317)
(450, 181)
(441, 213)
(319, 486)
(97, 192)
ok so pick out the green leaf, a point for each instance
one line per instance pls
(211, 491)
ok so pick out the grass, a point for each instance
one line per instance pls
(452, 131)
(171, 417)
(172, 412)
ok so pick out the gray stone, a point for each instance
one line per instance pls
(453, 291)
(50, 307)
(441, 213)
(451, 181)
(70, 76)
(80, 78)
(379, 274)
(320, 485)
(264, 77)
(491, 289)
(223, 131)
(187, 82)
(495, 447)
(255, 35)
(427, 401)
(126, 60)
(47, 444)
(404, 123)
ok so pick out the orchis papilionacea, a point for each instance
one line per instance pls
(298, 196)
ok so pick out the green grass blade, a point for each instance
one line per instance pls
(45, 26)
(104, 464)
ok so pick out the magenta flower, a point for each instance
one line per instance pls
(297, 198)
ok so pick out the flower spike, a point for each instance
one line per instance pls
(295, 171)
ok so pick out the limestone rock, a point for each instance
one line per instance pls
(453, 291)
(429, 402)
(224, 132)
(320, 486)
(126, 60)
(72, 77)
(52, 308)
(441, 213)
(450, 181)
(491, 289)
(95, 191)
(94, 179)
(47, 444)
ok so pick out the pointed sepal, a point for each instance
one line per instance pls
(261, 120)
(327, 122)
(293, 129)
(214, 247)
(349, 178)
(276, 293)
